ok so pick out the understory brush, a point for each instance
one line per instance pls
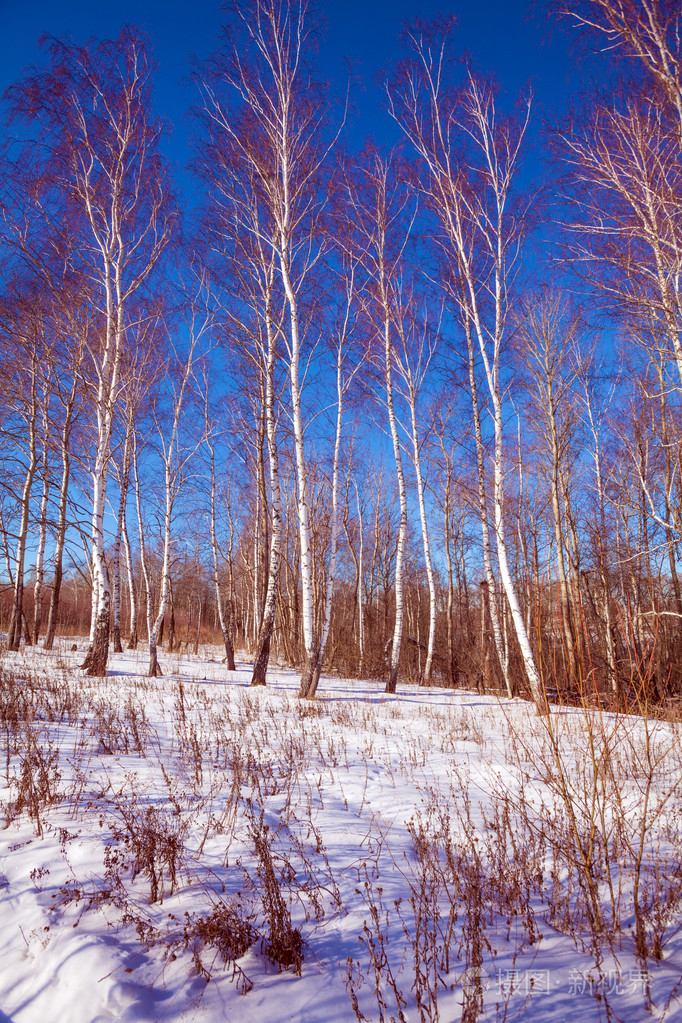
(222, 777)
(580, 836)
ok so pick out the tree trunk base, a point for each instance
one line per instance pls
(14, 633)
(52, 613)
(310, 676)
(229, 656)
(392, 683)
(260, 666)
(154, 668)
(95, 662)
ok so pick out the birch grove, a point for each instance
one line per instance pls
(395, 436)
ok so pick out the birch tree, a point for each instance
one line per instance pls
(595, 415)
(344, 376)
(625, 159)
(358, 559)
(414, 358)
(261, 96)
(14, 634)
(68, 396)
(91, 114)
(254, 322)
(647, 32)
(45, 473)
(211, 438)
(469, 159)
(25, 358)
(175, 452)
(547, 336)
(378, 202)
(141, 371)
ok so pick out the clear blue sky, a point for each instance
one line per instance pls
(501, 37)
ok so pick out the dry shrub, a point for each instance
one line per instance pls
(228, 931)
(282, 943)
(147, 842)
(26, 712)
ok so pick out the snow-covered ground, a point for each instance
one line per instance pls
(188, 848)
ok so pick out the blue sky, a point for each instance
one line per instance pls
(521, 47)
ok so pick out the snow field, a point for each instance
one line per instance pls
(189, 848)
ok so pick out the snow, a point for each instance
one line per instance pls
(368, 807)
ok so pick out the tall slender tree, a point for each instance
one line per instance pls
(469, 159)
(259, 94)
(90, 120)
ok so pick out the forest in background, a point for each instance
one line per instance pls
(353, 414)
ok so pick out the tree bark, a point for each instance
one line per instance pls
(60, 539)
(14, 635)
(267, 624)
(42, 523)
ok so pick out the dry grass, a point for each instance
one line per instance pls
(579, 835)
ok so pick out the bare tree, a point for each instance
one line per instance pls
(414, 358)
(45, 472)
(73, 324)
(175, 452)
(344, 379)
(211, 437)
(245, 264)
(547, 336)
(469, 157)
(379, 204)
(262, 98)
(26, 359)
(92, 113)
(646, 31)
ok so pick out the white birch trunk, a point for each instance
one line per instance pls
(310, 640)
(267, 626)
(173, 465)
(603, 575)
(482, 247)
(42, 529)
(402, 495)
(14, 636)
(425, 534)
(361, 609)
(451, 588)
(60, 538)
(6, 551)
(154, 668)
(108, 372)
(493, 605)
(132, 593)
(492, 372)
(124, 478)
(143, 555)
(334, 527)
(224, 625)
